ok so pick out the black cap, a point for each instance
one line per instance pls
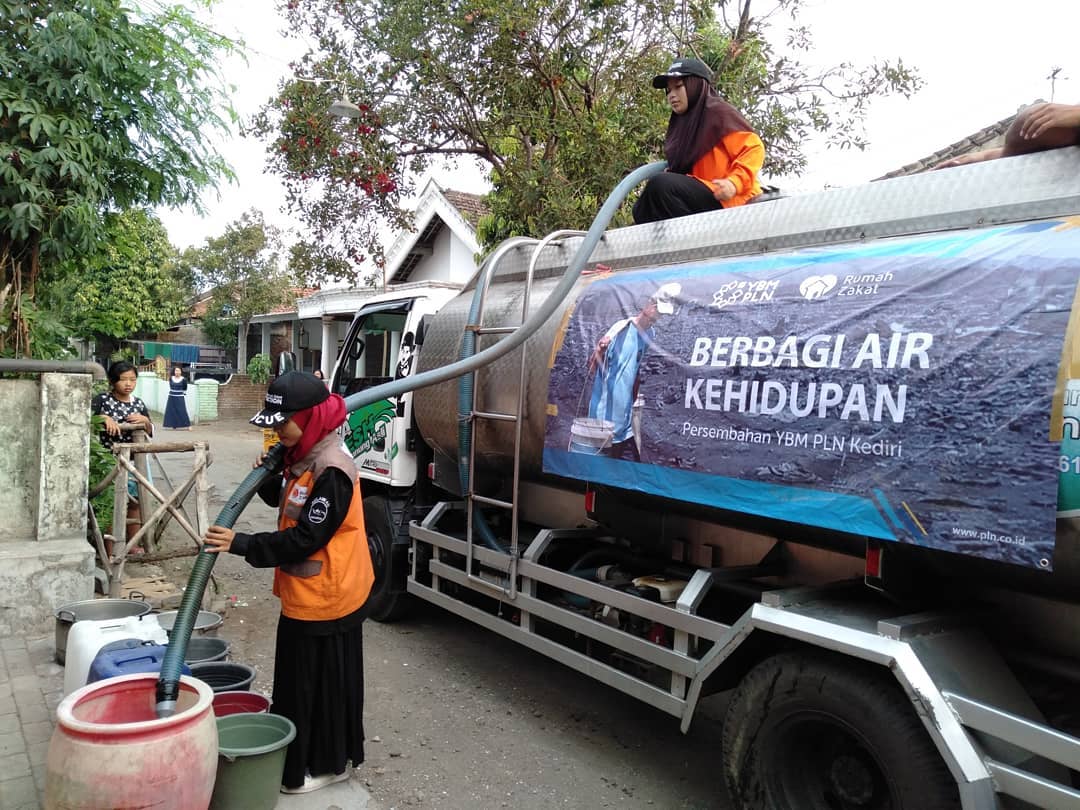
(683, 66)
(291, 392)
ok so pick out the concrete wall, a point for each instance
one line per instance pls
(20, 420)
(45, 560)
(206, 400)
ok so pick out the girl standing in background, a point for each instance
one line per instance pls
(176, 415)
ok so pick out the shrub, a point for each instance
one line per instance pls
(102, 462)
(258, 369)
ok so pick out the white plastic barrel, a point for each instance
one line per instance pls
(86, 638)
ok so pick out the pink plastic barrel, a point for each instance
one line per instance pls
(226, 703)
(109, 748)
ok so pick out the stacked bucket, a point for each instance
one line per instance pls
(234, 749)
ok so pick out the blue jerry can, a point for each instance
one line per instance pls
(126, 657)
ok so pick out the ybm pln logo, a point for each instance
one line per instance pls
(744, 292)
(819, 286)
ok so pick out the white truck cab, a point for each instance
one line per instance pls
(380, 347)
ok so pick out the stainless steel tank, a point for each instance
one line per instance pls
(890, 208)
(497, 385)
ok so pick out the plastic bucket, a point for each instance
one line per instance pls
(206, 623)
(224, 676)
(92, 610)
(251, 760)
(226, 703)
(591, 436)
(203, 649)
(110, 749)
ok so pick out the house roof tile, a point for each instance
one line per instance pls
(986, 138)
(471, 206)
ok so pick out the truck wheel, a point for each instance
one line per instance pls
(385, 604)
(809, 731)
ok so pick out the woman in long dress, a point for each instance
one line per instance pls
(176, 415)
(323, 577)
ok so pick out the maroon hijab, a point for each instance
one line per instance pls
(317, 423)
(708, 118)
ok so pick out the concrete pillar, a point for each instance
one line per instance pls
(45, 559)
(329, 345)
(264, 346)
(65, 455)
(241, 347)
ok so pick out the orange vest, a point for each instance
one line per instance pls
(336, 579)
(738, 157)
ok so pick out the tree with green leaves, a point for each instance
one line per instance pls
(551, 96)
(129, 282)
(101, 108)
(242, 269)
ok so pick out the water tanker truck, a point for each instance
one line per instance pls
(822, 452)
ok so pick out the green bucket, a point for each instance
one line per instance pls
(251, 760)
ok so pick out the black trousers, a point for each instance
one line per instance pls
(670, 195)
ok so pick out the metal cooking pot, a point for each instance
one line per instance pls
(92, 610)
(206, 623)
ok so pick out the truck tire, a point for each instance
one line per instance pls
(385, 603)
(813, 731)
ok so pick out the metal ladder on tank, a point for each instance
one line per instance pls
(474, 500)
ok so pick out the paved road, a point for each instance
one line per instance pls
(457, 717)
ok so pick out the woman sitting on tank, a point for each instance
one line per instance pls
(713, 154)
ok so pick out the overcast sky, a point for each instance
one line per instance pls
(978, 68)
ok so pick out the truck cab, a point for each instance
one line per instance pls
(381, 346)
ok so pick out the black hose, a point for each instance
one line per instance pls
(168, 685)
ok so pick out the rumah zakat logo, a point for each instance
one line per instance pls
(814, 287)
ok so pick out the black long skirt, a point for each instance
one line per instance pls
(319, 685)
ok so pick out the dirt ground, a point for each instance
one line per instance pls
(455, 716)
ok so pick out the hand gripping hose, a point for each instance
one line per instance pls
(168, 687)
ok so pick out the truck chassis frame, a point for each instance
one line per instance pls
(954, 678)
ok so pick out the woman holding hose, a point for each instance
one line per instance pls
(323, 578)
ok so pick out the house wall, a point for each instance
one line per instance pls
(462, 261)
(450, 260)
